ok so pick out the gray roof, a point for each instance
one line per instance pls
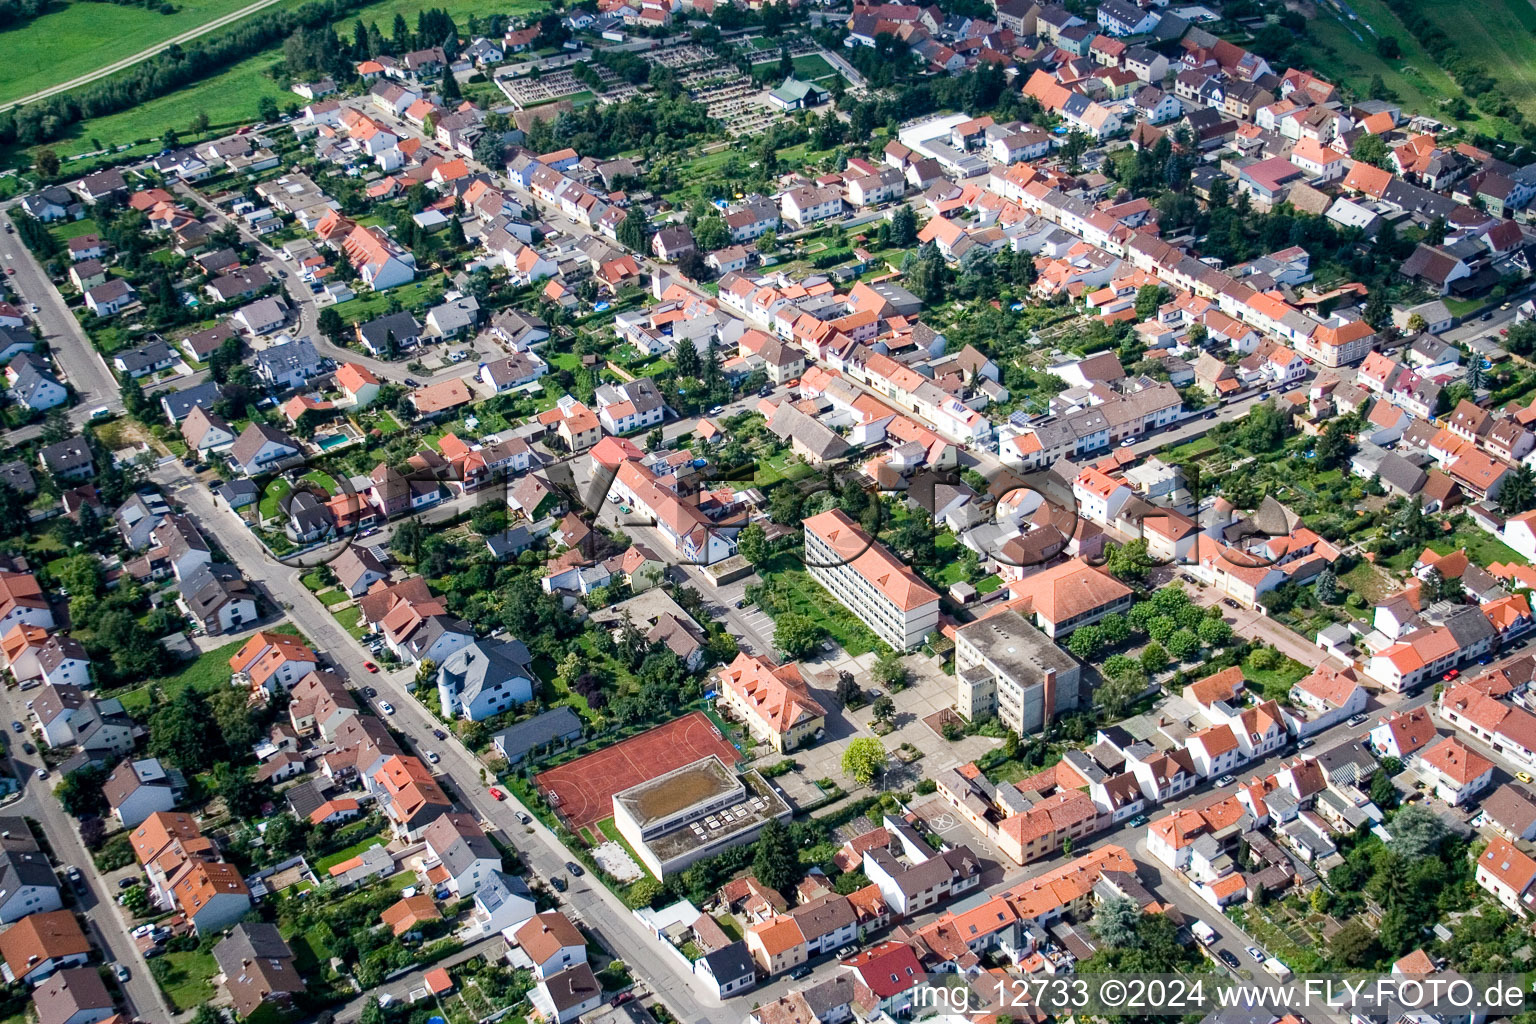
(824, 442)
(459, 841)
(178, 403)
(19, 868)
(283, 359)
(210, 586)
(376, 332)
(254, 437)
(483, 664)
(63, 456)
(144, 356)
(516, 741)
(499, 888)
(732, 962)
(250, 940)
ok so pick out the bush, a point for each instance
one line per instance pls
(116, 853)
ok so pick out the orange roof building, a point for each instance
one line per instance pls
(869, 581)
(774, 700)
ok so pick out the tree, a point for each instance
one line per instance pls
(863, 759)
(80, 791)
(1372, 149)
(331, 325)
(710, 233)
(884, 709)
(1086, 642)
(46, 163)
(1129, 562)
(1327, 586)
(1213, 632)
(752, 544)
(1354, 945)
(1416, 832)
(634, 231)
(1416, 323)
(1518, 493)
(449, 87)
(644, 892)
(1115, 921)
(1154, 658)
(776, 862)
(890, 671)
(1117, 692)
(796, 636)
(1148, 298)
(767, 242)
(903, 227)
(848, 689)
(1383, 792)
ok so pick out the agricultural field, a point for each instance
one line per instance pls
(76, 38)
(232, 96)
(1501, 35)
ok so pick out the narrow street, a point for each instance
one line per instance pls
(603, 914)
(82, 366)
(108, 929)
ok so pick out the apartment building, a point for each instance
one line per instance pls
(869, 581)
(1007, 667)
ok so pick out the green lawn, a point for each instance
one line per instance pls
(273, 496)
(1482, 548)
(813, 67)
(77, 37)
(351, 620)
(1274, 683)
(231, 96)
(333, 597)
(807, 597)
(1500, 36)
(368, 305)
(206, 673)
(324, 864)
(186, 978)
(64, 230)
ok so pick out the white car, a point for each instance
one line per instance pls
(386, 707)
(1255, 952)
(1225, 781)
(431, 756)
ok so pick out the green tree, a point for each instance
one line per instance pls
(1213, 632)
(884, 709)
(776, 862)
(1383, 793)
(331, 325)
(634, 231)
(1354, 945)
(448, 88)
(1518, 493)
(80, 791)
(863, 759)
(1116, 692)
(1372, 149)
(1327, 586)
(1129, 562)
(890, 671)
(1416, 832)
(1115, 921)
(1086, 642)
(796, 635)
(644, 892)
(46, 163)
(752, 544)
(1154, 658)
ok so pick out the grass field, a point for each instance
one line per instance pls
(206, 673)
(324, 864)
(232, 95)
(1501, 36)
(186, 978)
(371, 304)
(78, 37)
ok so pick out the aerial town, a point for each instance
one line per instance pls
(704, 511)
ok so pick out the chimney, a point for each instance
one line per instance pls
(1048, 712)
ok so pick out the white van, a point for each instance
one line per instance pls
(1203, 932)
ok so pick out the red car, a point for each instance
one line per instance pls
(1452, 674)
(10, 270)
(496, 794)
(370, 666)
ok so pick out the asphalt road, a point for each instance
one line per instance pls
(98, 903)
(76, 357)
(588, 901)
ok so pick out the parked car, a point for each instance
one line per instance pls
(439, 734)
(18, 727)
(1138, 821)
(1225, 781)
(575, 869)
(496, 794)
(803, 971)
(41, 773)
(431, 756)
(119, 972)
(1355, 720)
(559, 883)
(127, 883)
(1228, 958)
(28, 748)
(524, 818)
(386, 707)
(370, 692)
(1256, 953)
